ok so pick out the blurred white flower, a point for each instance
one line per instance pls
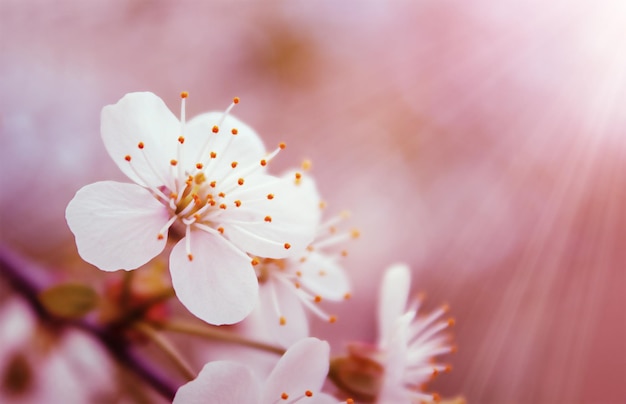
(407, 344)
(206, 181)
(298, 377)
(37, 365)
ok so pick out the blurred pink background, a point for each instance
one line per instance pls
(483, 143)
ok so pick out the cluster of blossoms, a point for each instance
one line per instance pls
(241, 238)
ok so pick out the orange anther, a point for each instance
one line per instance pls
(184, 94)
(254, 262)
(140, 145)
(318, 299)
(349, 401)
(322, 204)
(212, 184)
(306, 165)
(238, 203)
(448, 369)
(445, 308)
(213, 154)
(268, 218)
(199, 166)
(344, 253)
(284, 396)
(190, 257)
(297, 285)
(234, 131)
(240, 181)
(212, 202)
(436, 397)
(127, 157)
(308, 393)
(233, 164)
(332, 319)
(215, 129)
(263, 162)
(282, 145)
(221, 230)
(322, 272)
(298, 176)
(282, 320)
(270, 196)
(221, 195)
(173, 195)
(451, 322)
(355, 233)
(173, 162)
(160, 236)
(223, 206)
(347, 296)
(236, 100)
(298, 273)
(287, 246)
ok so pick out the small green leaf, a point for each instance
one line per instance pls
(70, 300)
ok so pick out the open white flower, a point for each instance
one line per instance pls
(292, 286)
(206, 181)
(407, 343)
(297, 378)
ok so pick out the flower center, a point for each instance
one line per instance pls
(191, 195)
(267, 266)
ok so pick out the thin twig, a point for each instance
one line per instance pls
(218, 335)
(167, 348)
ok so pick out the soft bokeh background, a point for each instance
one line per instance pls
(482, 142)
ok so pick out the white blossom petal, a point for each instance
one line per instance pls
(116, 225)
(245, 147)
(393, 299)
(220, 382)
(395, 358)
(323, 276)
(294, 213)
(279, 300)
(303, 367)
(141, 117)
(219, 285)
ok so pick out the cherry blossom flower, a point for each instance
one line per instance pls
(292, 286)
(297, 378)
(407, 343)
(203, 182)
